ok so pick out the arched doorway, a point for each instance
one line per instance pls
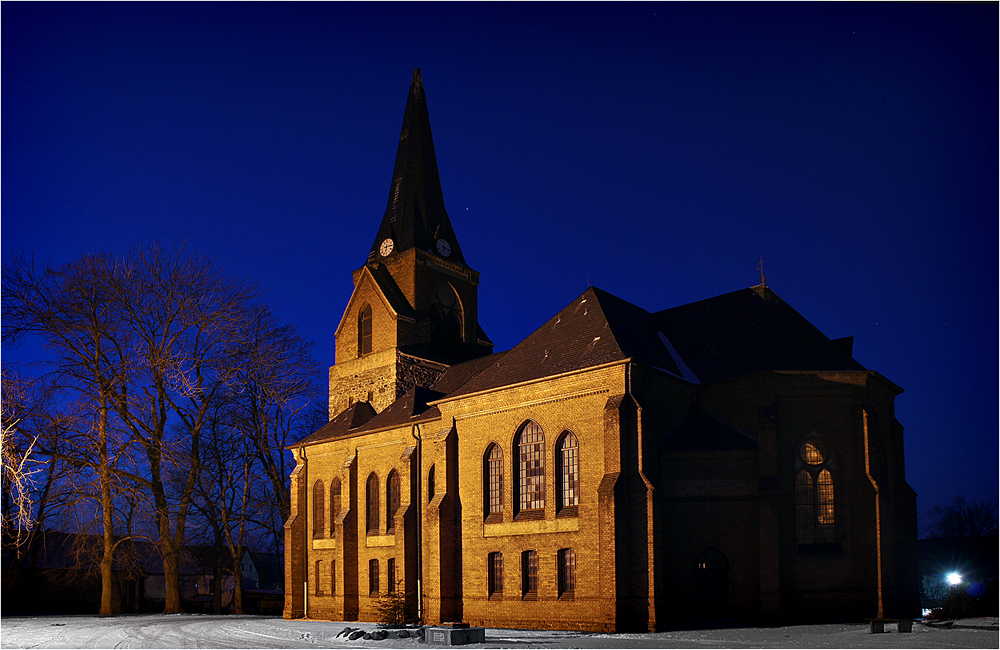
(711, 585)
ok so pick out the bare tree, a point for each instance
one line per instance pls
(70, 307)
(963, 519)
(148, 348)
(184, 316)
(21, 461)
(276, 389)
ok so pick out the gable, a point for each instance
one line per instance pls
(376, 288)
(748, 331)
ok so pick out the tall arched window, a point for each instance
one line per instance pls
(392, 500)
(568, 472)
(371, 498)
(319, 509)
(365, 331)
(814, 502)
(493, 480)
(334, 503)
(530, 445)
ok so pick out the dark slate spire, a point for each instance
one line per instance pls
(415, 216)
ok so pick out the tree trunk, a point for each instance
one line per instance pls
(107, 514)
(171, 578)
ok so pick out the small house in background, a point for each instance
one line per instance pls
(57, 573)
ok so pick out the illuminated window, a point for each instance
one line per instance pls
(365, 331)
(392, 494)
(814, 494)
(495, 574)
(567, 572)
(529, 574)
(568, 455)
(371, 520)
(530, 467)
(372, 577)
(319, 509)
(494, 480)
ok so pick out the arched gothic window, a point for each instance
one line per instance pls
(493, 480)
(568, 472)
(365, 330)
(530, 445)
(814, 494)
(319, 509)
(371, 494)
(392, 501)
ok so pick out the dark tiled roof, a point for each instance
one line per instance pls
(748, 331)
(595, 329)
(350, 419)
(699, 431)
(459, 374)
(411, 408)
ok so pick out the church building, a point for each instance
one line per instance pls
(617, 470)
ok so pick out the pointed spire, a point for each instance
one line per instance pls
(414, 215)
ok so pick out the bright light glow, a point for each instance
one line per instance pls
(954, 578)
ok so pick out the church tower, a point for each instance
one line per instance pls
(414, 310)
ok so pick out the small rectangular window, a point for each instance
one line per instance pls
(495, 574)
(567, 572)
(529, 574)
(390, 575)
(373, 577)
(318, 581)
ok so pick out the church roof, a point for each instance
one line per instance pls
(459, 374)
(747, 331)
(415, 216)
(411, 408)
(595, 329)
(347, 422)
(732, 335)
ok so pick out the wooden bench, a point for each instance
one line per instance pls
(902, 624)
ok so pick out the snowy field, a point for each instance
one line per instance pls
(207, 631)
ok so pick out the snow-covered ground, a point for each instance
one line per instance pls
(208, 631)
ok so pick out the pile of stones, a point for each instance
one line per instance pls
(353, 634)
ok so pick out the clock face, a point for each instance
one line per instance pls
(444, 248)
(386, 248)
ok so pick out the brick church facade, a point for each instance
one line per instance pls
(619, 469)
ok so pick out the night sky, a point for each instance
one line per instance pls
(656, 151)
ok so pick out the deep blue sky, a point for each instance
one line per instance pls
(657, 151)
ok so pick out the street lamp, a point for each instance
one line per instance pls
(954, 578)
